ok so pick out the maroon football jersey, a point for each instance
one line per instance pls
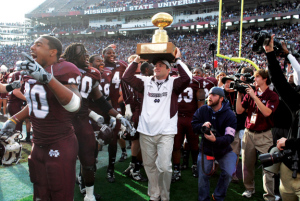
(106, 76)
(51, 122)
(209, 83)
(187, 100)
(11, 78)
(90, 78)
(117, 70)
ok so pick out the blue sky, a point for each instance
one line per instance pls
(14, 10)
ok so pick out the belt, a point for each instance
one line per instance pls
(253, 131)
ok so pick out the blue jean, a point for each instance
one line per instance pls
(227, 166)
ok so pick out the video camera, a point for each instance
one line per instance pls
(264, 37)
(237, 83)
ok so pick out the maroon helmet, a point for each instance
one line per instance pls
(105, 134)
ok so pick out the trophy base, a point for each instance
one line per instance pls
(154, 52)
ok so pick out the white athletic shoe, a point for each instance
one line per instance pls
(248, 194)
(86, 198)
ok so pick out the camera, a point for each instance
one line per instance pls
(237, 86)
(262, 37)
(269, 159)
(206, 130)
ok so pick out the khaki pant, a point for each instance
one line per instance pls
(157, 152)
(236, 145)
(253, 142)
(289, 187)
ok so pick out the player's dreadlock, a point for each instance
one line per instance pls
(70, 54)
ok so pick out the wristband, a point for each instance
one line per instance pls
(13, 120)
(9, 88)
(177, 59)
(74, 104)
(94, 115)
(119, 116)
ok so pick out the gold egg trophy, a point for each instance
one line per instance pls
(160, 48)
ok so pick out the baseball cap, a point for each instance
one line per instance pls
(229, 77)
(217, 90)
(167, 63)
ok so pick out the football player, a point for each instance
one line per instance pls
(16, 101)
(117, 69)
(52, 95)
(89, 89)
(189, 101)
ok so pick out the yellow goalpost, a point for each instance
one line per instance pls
(235, 59)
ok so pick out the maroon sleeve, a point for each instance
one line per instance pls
(129, 78)
(182, 81)
(273, 102)
(245, 101)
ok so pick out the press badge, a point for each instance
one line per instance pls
(253, 118)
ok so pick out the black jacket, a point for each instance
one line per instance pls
(291, 98)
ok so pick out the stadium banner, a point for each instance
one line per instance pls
(144, 7)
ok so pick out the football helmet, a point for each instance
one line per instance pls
(105, 134)
(10, 148)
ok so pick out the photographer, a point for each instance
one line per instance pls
(261, 105)
(289, 185)
(231, 96)
(217, 123)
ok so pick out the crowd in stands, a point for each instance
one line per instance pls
(264, 10)
(193, 45)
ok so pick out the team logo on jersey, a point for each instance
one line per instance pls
(157, 95)
(263, 101)
(156, 100)
(54, 153)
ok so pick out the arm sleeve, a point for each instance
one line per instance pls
(245, 101)
(284, 89)
(130, 78)
(228, 137)
(184, 79)
(273, 102)
(296, 67)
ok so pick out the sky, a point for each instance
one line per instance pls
(15, 10)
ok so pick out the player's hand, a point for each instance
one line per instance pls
(126, 123)
(16, 84)
(8, 128)
(128, 112)
(112, 122)
(132, 132)
(35, 70)
(100, 121)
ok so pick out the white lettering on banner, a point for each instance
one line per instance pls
(143, 7)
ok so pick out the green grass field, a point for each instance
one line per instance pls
(125, 189)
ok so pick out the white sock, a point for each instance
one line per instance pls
(89, 191)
